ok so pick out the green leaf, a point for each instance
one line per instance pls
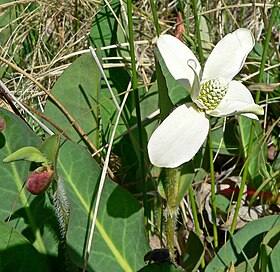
(224, 138)
(30, 215)
(222, 203)
(246, 240)
(186, 179)
(274, 258)
(264, 253)
(119, 241)
(50, 148)
(148, 105)
(243, 267)
(108, 110)
(17, 253)
(165, 103)
(105, 26)
(77, 89)
(258, 157)
(272, 237)
(176, 92)
(194, 253)
(110, 28)
(106, 31)
(268, 249)
(28, 153)
(205, 37)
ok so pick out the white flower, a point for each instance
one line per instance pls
(182, 133)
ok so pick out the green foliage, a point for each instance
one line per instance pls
(119, 241)
(78, 91)
(193, 253)
(28, 153)
(225, 137)
(245, 242)
(105, 31)
(258, 156)
(79, 174)
(50, 148)
(32, 216)
(16, 252)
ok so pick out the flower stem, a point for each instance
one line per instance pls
(213, 191)
(137, 108)
(171, 176)
(170, 233)
(197, 32)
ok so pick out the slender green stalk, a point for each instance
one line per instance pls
(246, 168)
(195, 218)
(137, 107)
(213, 191)
(154, 11)
(169, 178)
(170, 233)
(197, 32)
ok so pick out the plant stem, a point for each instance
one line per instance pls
(137, 107)
(171, 176)
(154, 11)
(170, 233)
(197, 33)
(213, 191)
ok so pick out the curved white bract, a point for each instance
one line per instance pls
(179, 137)
(229, 54)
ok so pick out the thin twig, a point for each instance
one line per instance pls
(43, 126)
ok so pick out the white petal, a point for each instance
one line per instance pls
(178, 57)
(238, 100)
(251, 115)
(228, 56)
(179, 137)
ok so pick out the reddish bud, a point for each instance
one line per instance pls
(2, 124)
(38, 183)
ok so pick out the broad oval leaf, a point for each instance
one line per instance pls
(77, 89)
(119, 242)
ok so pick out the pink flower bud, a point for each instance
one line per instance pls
(38, 183)
(2, 124)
